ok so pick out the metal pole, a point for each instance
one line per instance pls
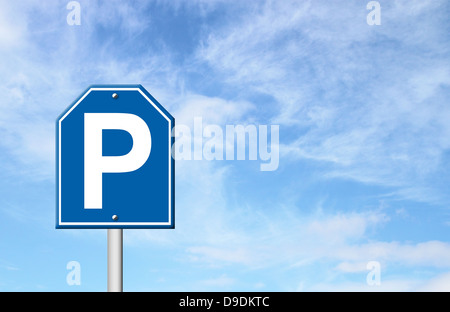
(115, 258)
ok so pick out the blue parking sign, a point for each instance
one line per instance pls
(114, 163)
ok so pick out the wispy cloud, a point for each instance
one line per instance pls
(440, 283)
(363, 111)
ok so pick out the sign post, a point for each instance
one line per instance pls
(114, 166)
(115, 260)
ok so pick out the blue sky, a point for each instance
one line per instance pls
(364, 145)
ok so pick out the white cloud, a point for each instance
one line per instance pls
(12, 26)
(343, 227)
(440, 283)
(394, 285)
(430, 253)
(437, 283)
(213, 110)
(352, 267)
(221, 281)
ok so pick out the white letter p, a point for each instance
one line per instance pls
(95, 164)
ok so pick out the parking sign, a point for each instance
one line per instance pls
(114, 163)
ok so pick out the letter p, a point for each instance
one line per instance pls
(95, 164)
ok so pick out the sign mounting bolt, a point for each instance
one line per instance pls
(115, 96)
(115, 217)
